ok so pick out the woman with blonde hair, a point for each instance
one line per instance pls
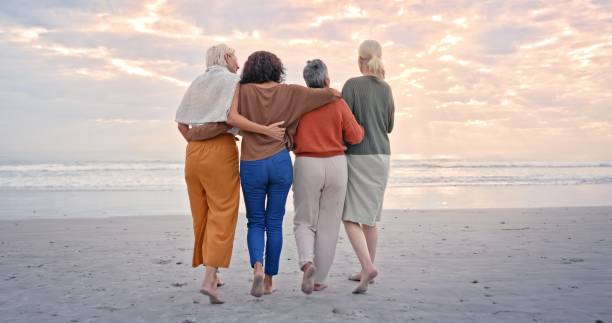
(370, 99)
(211, 163)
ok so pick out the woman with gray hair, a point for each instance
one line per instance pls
(369, 98)
(211, 165)
(320, 177)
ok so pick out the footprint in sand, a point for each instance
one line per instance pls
(336, 310)
(161, 261)
(355, 313)
(107, 308)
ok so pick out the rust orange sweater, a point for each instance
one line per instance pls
(322, 132)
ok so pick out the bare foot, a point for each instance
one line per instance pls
(319, 287)
(212, 294)
(366, 277)
(258, 287)
(357, 277)
(308, 278)
(268, 289)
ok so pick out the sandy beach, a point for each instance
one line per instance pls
(482, 265)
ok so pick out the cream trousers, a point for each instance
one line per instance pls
(319, 189)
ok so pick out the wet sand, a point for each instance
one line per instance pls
(481, 265)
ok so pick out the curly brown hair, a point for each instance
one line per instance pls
(262, 67)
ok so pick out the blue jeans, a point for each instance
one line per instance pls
(265, 186)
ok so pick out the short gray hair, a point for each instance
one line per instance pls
(215, 55)
(315, 73)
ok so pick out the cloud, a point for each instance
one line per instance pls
(517, 79)
(507, 39)
(119, 121)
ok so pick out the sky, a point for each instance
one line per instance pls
(519, 80)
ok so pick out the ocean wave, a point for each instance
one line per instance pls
(161, 175)
(416, 181)
(475, 164)
(91, 167)
(401, 163)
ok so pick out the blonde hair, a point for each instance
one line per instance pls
(215, 55)
(370, 56)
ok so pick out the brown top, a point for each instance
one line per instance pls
(322, 132)
(207, 131)
(283, 102)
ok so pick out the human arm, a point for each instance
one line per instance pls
(183, 129)
(348, 96)
(307, 99)
(203, 132)
(352, 131)
(391, 112)
(235, 119)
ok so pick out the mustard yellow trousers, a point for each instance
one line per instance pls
(213, 184)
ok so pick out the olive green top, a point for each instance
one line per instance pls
(371, 101)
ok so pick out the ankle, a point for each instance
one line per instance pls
(306, 265)
(257, 268)
(208, 285)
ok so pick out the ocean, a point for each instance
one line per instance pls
(88, 189)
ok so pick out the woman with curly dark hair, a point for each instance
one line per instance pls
(266, 171)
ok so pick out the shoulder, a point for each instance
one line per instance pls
(353, 81)
(229, 79)
(199, 79)
(360, 82)
(340, 107)
(286, 89)
(293, 88)
(350, 85)
(234, 77)
(358, 79)
(340, 104)
(249, 87)
(385, 85)
(243, 88)
(315, 93)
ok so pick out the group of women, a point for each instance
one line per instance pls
(341, 166)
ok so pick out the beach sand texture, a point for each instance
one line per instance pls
(507, 265)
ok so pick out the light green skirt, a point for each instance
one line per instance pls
(365, 191)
